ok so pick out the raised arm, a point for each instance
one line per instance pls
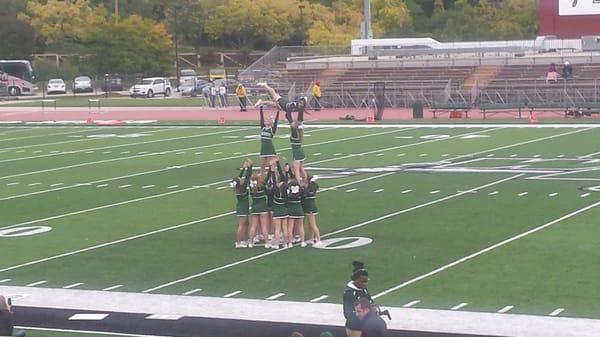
(275, 123)
(262, 117)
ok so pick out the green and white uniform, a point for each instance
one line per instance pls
(267, 149)
(280, 210)
(297, 152)
(242, 207)
(309, 199)
(294, 201)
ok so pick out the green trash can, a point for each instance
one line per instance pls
(417, 110)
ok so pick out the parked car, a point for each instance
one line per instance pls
(188, 89)
(82, 84)
(56, 86)
(186, 76)
(112, 82)
(151, 86)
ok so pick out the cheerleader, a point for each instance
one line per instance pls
(295, 213)
(268, 130)
(242, 209)
(281, 103)
(309, 205)
(259, 213)
(281, 238)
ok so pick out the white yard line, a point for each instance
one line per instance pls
(274, 297)
(486, 250)
(233, 294)
(36, 283)
(193, 291)
(73, 285)
(459, 306)
(506, 309)
(116, 286)
(412, 303)
(556, 312)
(51, 134)
(5, 280)
(318, 299)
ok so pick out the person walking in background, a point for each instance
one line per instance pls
(372, 324)
(355, 290)
(223, 95)
(240, 92)
(6, 319)
(317, 95)
(213, 95)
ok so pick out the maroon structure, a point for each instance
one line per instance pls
(566, 26)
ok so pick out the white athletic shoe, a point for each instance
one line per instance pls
(270, 236)
(303, 244)
(258, 103)
(290, 245)
(250, 245)
(318, 244)
(267, 246)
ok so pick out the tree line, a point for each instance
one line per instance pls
(141, 38)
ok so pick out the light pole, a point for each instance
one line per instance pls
(117, 10)
(301, 7)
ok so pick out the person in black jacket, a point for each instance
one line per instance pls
(372, 324)
(6, 320)
(355, 290)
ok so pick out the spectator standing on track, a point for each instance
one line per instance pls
(240, 92)
(206, 94)
(552, 74)
(213, 95)
(6, 320)
(355, 290)
(317, 95)
(372, 324)
(223, 95)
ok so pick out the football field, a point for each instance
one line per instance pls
(485, 218)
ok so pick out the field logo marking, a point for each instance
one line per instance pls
(23, 231)
(334, 243)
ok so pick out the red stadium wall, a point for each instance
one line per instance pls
(565, 27)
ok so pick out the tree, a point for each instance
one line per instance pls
(18, 38)
(133, 45)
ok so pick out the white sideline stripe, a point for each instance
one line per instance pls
(410, 304)
(12, 184)
(256, 257)
(233, 294)
(148, 186)
(459, 306)
(553, 194)
(505, 309)
(172, 187)
(274, 297)
(318, 299)
(73, 285)
(379, 190)
(116, 286)
(57, 184)
(523, 193)
(406, 191)
(488, 249)
(585, 195)
(125, 186)
(351, 190)
(88, 317)
(165, 317)
(190, 164)
(193, 291)
(36, 283)
(85, 332)
(493, 193)
(5, 280)
(222, 187)
(556, 312)
(117, 241)
(49, 135)
(102, 185)
(34, 184)
(434, 192)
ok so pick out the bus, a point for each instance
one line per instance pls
(17, 76)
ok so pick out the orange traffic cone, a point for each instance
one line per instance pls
(221, 120)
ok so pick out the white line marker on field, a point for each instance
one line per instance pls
(181, 152)
(491, 155)
(233, 293)
(513, 155)
(106, 152)
(5, 280)
(148, 186)
(317, 154)
(172, 187)
(274, 297)
(351, 190)
(493, 193)
(116, 286)
(222, 187)
(13, 184)
(585, 195)
(337, 154)
(523, 194)
(445, 155)
(379, 190)
(36, 283)
(556, 312)
(401, 154)
(73, 285)
(236, 153)
(57, 184)
(410, 304)
(423, 155)
(20, 151)
(38, 151)
(553, 194)
(102, 185)
(434, 192)
(217, 153)
(536, 156)
(560, 156)
(379, 155)
(505, 309)
(318, 299)
(459, 306)
(406, 191)
(34, 184)
(193, 291)
(88, 317)
(125, 152)
(165, 317)
(203, 153)
(125, 186)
